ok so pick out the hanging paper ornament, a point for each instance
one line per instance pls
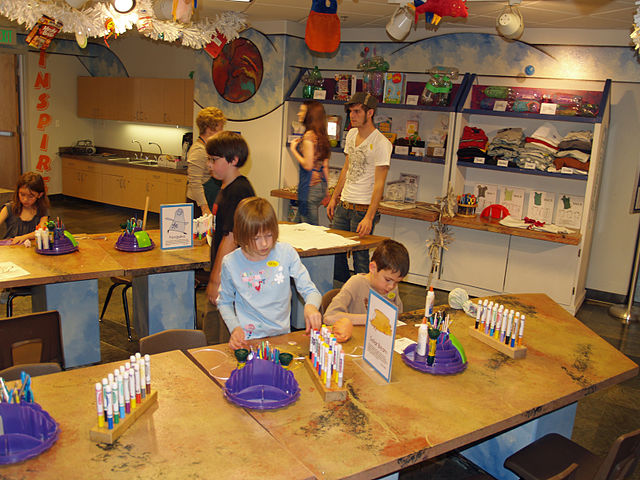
(111, 30)
(182, 10)
(434, 10)
(218, 41)
(322, 33)
(144, 23)
(43, 32)
(81, 39)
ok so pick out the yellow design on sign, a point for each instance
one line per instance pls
(381, 323)
(272, 263)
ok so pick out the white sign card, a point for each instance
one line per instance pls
(380, 333)
(540, 206)
(569, 211)
(486, 195)
(513, 199)
(176, 226)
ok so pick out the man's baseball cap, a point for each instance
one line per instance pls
(363, 98)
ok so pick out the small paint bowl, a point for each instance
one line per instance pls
(285, 359)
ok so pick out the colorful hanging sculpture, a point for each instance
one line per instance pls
(434, 10)
(323, 27)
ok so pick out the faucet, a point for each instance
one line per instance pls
(140, 145)
(157, 145)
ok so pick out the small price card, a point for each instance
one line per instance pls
(529, 166)
(412, 99)
(567, 170)
(500, 106)
(478, 160)
(548, 108)
(503, 163)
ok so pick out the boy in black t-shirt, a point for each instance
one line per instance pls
(227, 152)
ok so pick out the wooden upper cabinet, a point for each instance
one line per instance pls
(146, 100)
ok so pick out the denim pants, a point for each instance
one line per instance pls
(314, 200)
(348, 220)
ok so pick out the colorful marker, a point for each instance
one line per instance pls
(147, 371)
(116, 406)
(132, 388)
(521, 334)
(100, 404)
(478, 313)
(136, 375)
(143, 391)
(109, 397)
(121, 396)
(514, 334)
(105, 382)
(125, 384)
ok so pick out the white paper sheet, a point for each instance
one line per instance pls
(10, 270)
(307, 237)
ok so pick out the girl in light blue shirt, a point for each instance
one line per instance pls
(255, 292)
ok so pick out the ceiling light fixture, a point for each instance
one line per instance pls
(124, 6)
(510, 23)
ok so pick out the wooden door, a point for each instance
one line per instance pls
(10, 166)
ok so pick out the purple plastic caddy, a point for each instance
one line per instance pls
(61, 246)
(127, 242)
(262, 385)
(27, 432)
(448, 360)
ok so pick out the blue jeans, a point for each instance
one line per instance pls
(348, 220)
(314, 200)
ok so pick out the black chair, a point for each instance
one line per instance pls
(126, 283)
(556, 457)
(35, 338)
(173, 339)
(13, 293)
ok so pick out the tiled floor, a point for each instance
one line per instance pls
(601, 417)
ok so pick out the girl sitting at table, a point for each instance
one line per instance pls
(28, 209)
(255, 291)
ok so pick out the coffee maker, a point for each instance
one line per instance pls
(187, 141)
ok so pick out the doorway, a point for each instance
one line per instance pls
(10, 164)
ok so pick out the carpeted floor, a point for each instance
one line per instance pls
(601, 417)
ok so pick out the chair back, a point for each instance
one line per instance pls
(33, 369)
(31, 338)
(326, 299)
(174, 339)
(622, 458)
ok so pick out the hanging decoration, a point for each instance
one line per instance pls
(635, 35)
(43, 32)
(90, 21)
(322, 33)
(434, 10)
(442, 235)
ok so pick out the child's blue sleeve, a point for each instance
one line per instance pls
(305, 287)
(226, 297)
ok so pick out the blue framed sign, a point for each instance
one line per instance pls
(176, 226)
(380, 334)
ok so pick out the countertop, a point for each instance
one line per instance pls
(112, 156)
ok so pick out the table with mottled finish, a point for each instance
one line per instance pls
(382, 427)
(193, 433)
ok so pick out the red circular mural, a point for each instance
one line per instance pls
(237, 71)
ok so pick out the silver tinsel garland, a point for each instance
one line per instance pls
(442, 235)
(90, 21)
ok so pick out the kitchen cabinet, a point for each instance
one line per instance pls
(121, 185)
(81, 179)
(488, 258)
(146, 100)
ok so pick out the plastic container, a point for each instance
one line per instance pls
(448, 359)
(28, 431)
(262, 385)
(138, 241)
(466, 210)
(63, 243)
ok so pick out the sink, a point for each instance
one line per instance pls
(148, 163)
(119, 159)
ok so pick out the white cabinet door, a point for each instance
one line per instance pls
(476, 258)
(536, 266)
(413, 234)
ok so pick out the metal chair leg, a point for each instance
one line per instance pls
(125, 303)
(106, 301)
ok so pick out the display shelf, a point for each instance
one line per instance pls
(421, 211)
(409, 158)
(491, 225)
(525, 171)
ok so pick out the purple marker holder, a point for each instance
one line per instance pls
(447, 362)
(28, 431)
(262, 385)
(127, 242)
(61, 246)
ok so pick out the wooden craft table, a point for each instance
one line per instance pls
(192, 433)
(69, 284)
(382, 428)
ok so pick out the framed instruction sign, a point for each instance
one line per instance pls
(380, 333)
(176, 226)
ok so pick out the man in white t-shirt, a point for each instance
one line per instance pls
(354, 204)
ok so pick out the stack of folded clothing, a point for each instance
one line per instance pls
(541, 147)
(506, 145)
(574, 151)
(472, 144)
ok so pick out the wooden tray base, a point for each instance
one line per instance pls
(328, 394)
(515, 352)
(104, 435)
